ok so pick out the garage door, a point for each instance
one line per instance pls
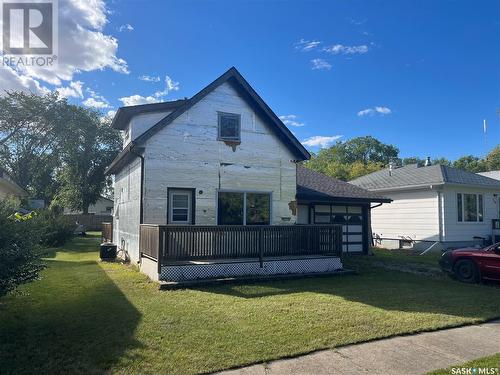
(351, 219)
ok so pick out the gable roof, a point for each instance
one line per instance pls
(415, 176)
(315, 186)
(125, 114)
(233, 77)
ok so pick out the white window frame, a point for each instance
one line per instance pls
(189, 195)
(477, 221)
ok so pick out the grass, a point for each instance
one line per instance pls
(84, 316)
(491, 362)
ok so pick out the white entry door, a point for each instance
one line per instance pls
(180, 206)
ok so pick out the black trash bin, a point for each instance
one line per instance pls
(108, 251)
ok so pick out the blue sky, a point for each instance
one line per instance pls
(418, 74)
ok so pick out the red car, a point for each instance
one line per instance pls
(470, 265)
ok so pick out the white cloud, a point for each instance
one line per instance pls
(306, 45)
(83, 47)
(320, 141)
(320, 64)
(74, 90)
(346, 50)
(147, 78)
(291, 120)
(372, 111)
(126, 27)
(96, 103)
(170, 85)
(138, 99)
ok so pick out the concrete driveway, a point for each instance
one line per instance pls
(415, 354)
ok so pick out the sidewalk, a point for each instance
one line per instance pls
(416, 354)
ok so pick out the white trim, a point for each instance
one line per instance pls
(480, 222)
(188, 194)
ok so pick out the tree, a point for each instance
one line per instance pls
(413, 160)
(90, 146)
(441, 161)
(30, 132)
(493, 159)
(471, 163)
(353, 158)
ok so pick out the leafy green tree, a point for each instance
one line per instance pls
(353, 158)
(31, 128)
(493, 159)
(471, 163)
(413, 160)
(90, 146)
(441, 161)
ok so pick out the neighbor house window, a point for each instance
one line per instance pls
(229, 127)
(235, 208)
(179, 206)
(469, 207)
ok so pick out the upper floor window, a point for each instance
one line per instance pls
(229, 127)
(469, 207)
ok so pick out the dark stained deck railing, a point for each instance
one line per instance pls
(197, 242)
(107, 232)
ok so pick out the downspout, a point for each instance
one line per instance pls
(440, 216)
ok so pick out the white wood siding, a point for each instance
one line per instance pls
(462, 231)
(187, 154)
(412, 213)
(127, 209)
(140, 123)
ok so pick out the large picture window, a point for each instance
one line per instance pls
(469, 207)
(235, 208)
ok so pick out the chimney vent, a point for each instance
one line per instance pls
(428, 161)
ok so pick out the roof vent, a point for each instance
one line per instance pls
(428, 161)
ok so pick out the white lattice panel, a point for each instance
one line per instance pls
(274, 267)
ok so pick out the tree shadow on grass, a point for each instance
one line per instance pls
(387, 290)
(75, 320)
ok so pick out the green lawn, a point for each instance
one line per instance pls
(491, 362)
(90, 317)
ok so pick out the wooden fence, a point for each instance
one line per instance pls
(91, 222)
(177, 243)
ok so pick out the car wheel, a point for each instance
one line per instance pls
(466, 271)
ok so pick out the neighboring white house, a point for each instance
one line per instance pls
(103, 206)
(433, 203)
(9, 188)
(223, 158)
(491, 174)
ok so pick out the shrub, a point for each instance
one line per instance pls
(54, 228)
(19, 248)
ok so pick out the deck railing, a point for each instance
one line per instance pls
(178, 243)
(107, 232)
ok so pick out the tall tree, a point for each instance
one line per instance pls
(30, 132)
(353, 158)
(493, 159)
(471, 163)
(90, 146)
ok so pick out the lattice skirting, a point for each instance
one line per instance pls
(249, 268)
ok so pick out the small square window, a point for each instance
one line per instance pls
(229, 127)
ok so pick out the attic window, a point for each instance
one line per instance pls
(229, 127)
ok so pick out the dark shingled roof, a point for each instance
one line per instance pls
(315, 186)
(413, 175)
